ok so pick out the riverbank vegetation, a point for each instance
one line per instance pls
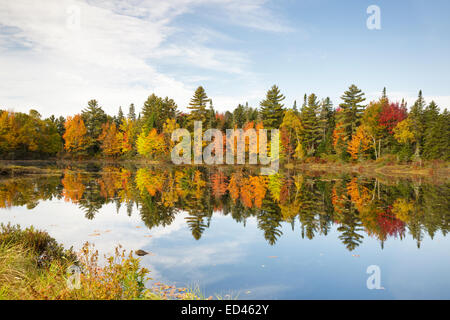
(34, 266)
(316, 131)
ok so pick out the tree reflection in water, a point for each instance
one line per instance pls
(356, 206)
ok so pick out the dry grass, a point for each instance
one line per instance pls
(34, 267)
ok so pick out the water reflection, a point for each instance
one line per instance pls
(357, 206)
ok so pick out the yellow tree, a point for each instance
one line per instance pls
(169, 126)
(359, 144)
(110, 140)
(9, 132)
(372, 126)
(294, 131)
(403, 132)
(151, 144)
(127, 132)
(75, 138)
(339, 139)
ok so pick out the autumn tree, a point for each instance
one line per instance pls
(151, 144)
(391, 114)
(75, 137)
(111, 143)
(292, 134)
(404, 134)
(359, 144)
(27, 135)
(372, 125)
(127, 136)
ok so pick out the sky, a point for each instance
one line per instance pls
(56, 55)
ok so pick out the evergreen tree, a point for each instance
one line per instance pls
(416, 116)
(326, 125)
(251, 114)
(120, 117)
(228, 123)
(94, 117)
(294, 107)
(156, 111)
(239, 116)
(383, 95)
(310, 121)
(351, 110)
(198, 107)
(212, 121)
(436, 136)
(272, 111)
(132, 113)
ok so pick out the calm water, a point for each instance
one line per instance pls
(287, 236)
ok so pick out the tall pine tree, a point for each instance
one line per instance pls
(416, 116)
(198, 107)
(272, 110)
(350, 111)
(310, 121)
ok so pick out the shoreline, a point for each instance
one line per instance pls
(428, 169)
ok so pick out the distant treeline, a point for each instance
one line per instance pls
(352, 131)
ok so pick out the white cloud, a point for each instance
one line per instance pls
(48, 63)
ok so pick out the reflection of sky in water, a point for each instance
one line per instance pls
(231, 258)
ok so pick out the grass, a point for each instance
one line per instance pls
(33, 266)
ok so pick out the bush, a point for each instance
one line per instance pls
(387, 160)
(330, 157)
(44, 247)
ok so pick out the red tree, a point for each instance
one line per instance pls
(391, 114)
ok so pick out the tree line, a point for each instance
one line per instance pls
(351, 131)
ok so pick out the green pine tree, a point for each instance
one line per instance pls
(120, 117)
(132, 113)
(272, 110)
(156, 111)
(310, 121)
(94, 117)
(351, 110)
(416, 115)
(326, 125)
(198, 107)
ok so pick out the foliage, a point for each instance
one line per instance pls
(316, 131)
(359, 143)
(26, 136)
(75, 136)
(151, 144)
(111, 141)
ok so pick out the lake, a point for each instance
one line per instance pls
(234, 233)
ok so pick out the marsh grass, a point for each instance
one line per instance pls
(33, 266)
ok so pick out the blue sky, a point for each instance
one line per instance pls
(58, 54)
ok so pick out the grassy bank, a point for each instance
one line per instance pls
(33, 266)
